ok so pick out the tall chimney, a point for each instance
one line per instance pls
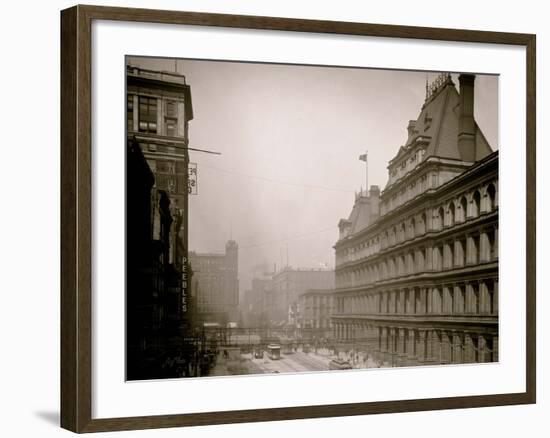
(466, 124)
(374, 197)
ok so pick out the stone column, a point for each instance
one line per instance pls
(445, 347)
(470, 345)
(469, 249)
(377, 352)
(457, 348)
(383, 344)
(484, 249)
(135, 113)
(429, 258)
(456, 299)
(424, 307)
(495, 297)
(402, 347)
(410, 302)
(484, 299)
(160, 117)
(457, 253)
(411, 347)
(433, 347)
(447, 256)
(421, 347)
(392, 359)
(484, 354)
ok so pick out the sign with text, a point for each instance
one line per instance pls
(192, 179)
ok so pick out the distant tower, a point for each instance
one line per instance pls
(232, 277)
(232, 255)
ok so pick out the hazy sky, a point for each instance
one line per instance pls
(290, 138)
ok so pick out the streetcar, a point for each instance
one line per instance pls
(339, 364)
(274, 351)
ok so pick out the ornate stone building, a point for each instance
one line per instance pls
(417, 264)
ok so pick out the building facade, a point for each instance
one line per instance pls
(216, 285)
(417, 264)
(158, 110)
(287, 285)
(154, 283)
(159, 306)
(255, 303)
(315, 308)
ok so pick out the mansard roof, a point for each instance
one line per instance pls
(437, 125)
(360, 216)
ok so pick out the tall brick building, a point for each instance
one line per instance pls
(216, 284)
(417, 264)
(158, 306)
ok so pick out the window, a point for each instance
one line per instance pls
(130, 112)
(423, 223)
(476, 202)
(452, 214)
(492, 304)
(491, 193)
(493, 249)
(171, 127)
(147, 114)
(475, 299)
(475, 249)
(171, 119)
(464, 208)
(171, 108)
(461, 253)
(440, 218)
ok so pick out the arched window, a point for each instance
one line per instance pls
(420, 261)
(491, 195)
(493, 249)
(476, 247)
(451, 214)
(412, 267)
(463, 208)
(475, 303)
(492, 305)
(402, 232)
(423, 225)
(476, 203)
(413, 227)
(440, 218)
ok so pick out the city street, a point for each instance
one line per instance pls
(300, 362)
(292, 363)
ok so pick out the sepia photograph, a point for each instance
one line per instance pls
(287, 218)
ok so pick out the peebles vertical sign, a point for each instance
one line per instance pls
(184, 285)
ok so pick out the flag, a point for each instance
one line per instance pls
(363, 157)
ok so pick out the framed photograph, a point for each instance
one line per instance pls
(270, 218)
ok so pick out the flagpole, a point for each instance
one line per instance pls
(367, 172)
